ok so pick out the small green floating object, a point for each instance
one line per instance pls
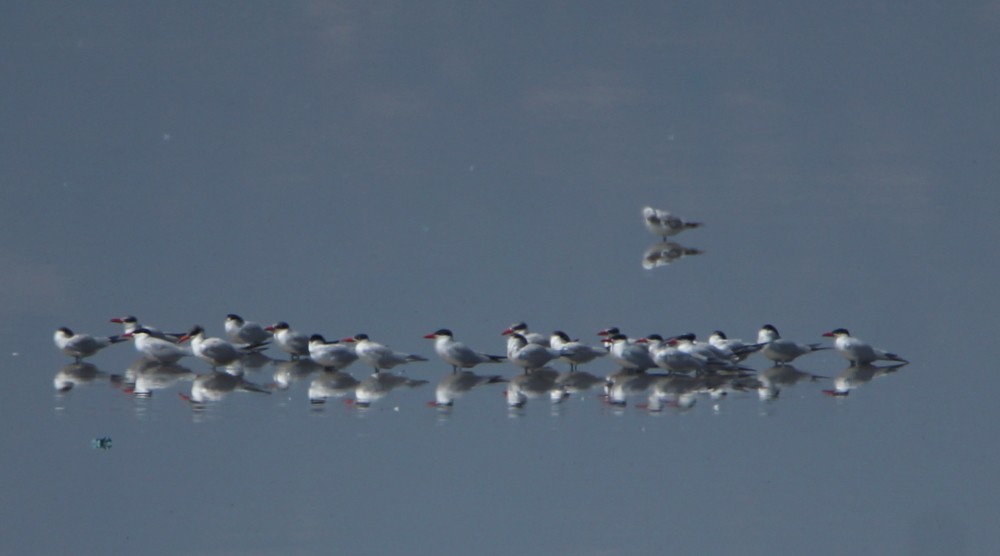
(102, 443)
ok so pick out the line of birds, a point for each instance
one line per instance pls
(691, 365)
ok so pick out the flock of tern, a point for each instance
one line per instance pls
(671, 370)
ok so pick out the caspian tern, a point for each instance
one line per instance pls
(331, 355)
(291, 342)
(157, 349)
(663, 224)
(79, 346)
(631, 356)
(573, 351)
(527, 355)
(216, 351)
(522, 329)
(782, 351)
(857, 351)
(715, 358)
(740, 349)
(457, 354)
(668, 356)
(131, 324)
(245, 333)
(378, 356)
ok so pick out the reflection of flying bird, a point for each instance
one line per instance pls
(291, 342)
(378, 356)
(79, 346)
(857, 351)
(457, 354)
(663, 224)
(333, 355)
(662, 254)
(780, 350)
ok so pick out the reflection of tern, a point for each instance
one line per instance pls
(663, 224)
(157, 349)
(331, 384)
(79, 346)
(858, 375)
(74, 374)
(772, 380)
(379, 384)
(857, 351)
(457, 354)
(331, 355)
(533, 384)
(245, 333)
(662, 254)
(573, 351)
(215, 385)
(780, 350)
(625, 382)
(287, 372)
(291, 342)
(147, 376)
(458, 383)
(674, 390)
(378, 356)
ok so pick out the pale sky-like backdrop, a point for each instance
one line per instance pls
(397, 167)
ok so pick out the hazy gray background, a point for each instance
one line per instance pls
(394, 167)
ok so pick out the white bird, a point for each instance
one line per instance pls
(715, 358)
(79, 346)
(573, 351)
(857, 351)
(734, 346)
(331, 355)
(663, 224)
(131, 324)
(631, 356)
(782, 351)
(668, 356)
(522, 329)
(527, 355)
(157, 349)
(291, 342)
(378, 356)
(242, 332)
(216, 351)
(457, 354)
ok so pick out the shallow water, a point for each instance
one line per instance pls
(394, 171)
